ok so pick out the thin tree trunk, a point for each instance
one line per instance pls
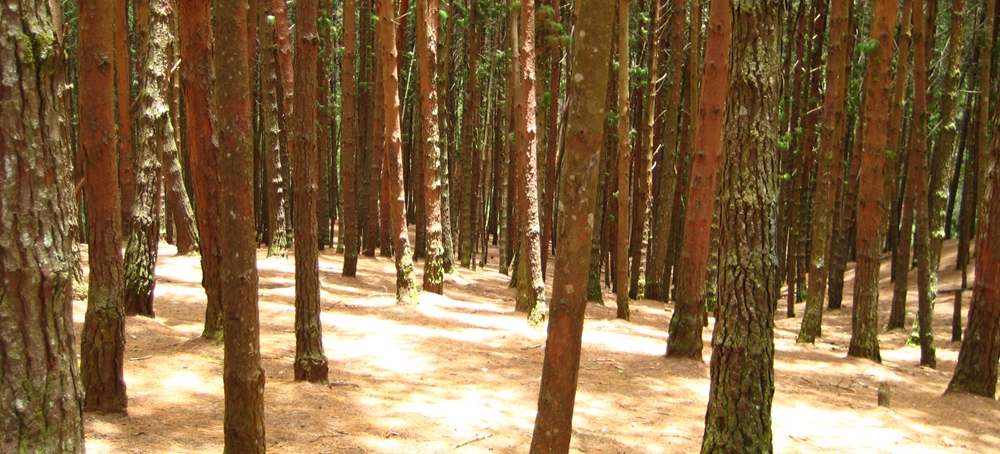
(277, 244)
(178, 203)
(624, 193)
(406, 288)
(689, 311)
(349, 143)
(123, 91)
(427, 20)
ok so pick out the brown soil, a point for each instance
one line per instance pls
(460, 373)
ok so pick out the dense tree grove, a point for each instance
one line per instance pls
(717, 156)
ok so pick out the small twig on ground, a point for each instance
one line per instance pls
(532, 347)
(473, 440)
(343, 383)
(140, 358)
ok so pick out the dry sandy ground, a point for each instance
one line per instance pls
(460, 373)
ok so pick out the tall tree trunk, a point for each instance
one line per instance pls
(310, 360)
(738, 418)
(277, 243)
(976, 371)
(243, 376)
(197, 78)
(643, 203)
(586, 95)
(624, 192)
(324, 122)
(40, 391)
(349, 143)
(103, 338)
(554, 41)
(178, 203)
(829, 172)
(471, 149)
(531, 291)
(873, 203)
(689, 311)
(123, 91)
(406, 288)
(931, 207)
(427, 20)
(154, 120)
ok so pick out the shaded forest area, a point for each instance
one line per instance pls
(783, 182)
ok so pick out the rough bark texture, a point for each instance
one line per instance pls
(310, 361)
(586, 92)
(931, 224)
(828, 175)
(40, 396)
(624, 192)
(197, 77)
(470, 143)
(873, 203)
(243, 376)
(277, 244)
(103, 339)
(427, 20)
(738, 418)
(976, 371)
(406, 288)
(689, 310)
(349, 143)
(531, 291)
(178, 203)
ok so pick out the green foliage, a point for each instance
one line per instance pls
(868, 46)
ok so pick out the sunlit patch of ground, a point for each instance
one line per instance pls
(460, 372)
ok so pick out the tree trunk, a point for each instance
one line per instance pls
(427, 20)
(40, 392)
(277, 244)
(689, 311)
(243, 376)
(829, 172)
(976, 371)
(468, 231)
(123, 91)
(643, 203)
(624, 193)
(154, 120)
(738, 418)
(872, 201)
(103, 338)
(310, 361)
(406, 288)
(197, 78)
(178, 203)
(586, 95)
(349, 143)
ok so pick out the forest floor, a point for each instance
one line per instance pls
(460, 373)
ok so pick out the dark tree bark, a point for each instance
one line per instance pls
(689, 311)
(277, 244)
(531, 289)
(468, 229)
(103, 339)
(976, 371)
(40, 402)
(310, 361)
(406, 288)
(586, 92)
(349, 143)
(742, 371)
(427, 20)
(243, 376)
(624, 192)
(829, 172)
(197, 78)
(873, 203)
(123, 90)
(324, 122)
(153, 133)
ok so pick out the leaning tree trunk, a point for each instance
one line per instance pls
(40, 401)
(310, 360)
(243, 376)
(277, 244)
(103, 339)
(577, 196)
(872, 200)
(689, 311)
